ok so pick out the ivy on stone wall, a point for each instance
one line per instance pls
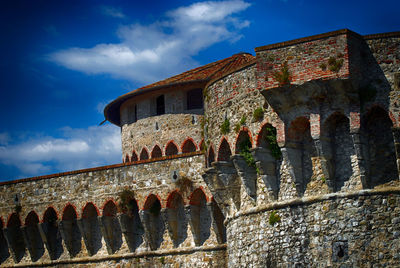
(272, 142)
(225, 127)
(258, 114)
(283, 76)
(244, 151)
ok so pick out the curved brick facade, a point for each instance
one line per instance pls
(299, 168)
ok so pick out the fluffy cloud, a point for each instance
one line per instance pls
(76, 149)
(112, 12)
(149, 53)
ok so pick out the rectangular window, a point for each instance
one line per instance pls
(194, 99)
(160, 102)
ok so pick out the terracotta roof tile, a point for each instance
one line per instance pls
(197, 77)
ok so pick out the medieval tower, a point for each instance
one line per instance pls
(289, 158)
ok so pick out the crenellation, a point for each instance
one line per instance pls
(290, 158)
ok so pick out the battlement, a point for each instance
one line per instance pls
(288, 158)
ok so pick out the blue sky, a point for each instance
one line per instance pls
(63, 61)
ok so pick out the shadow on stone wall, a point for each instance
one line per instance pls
(111, 229)
(131, 226)
(33, 239)
(4, 254)
(153, 222)
(377, 129)
(91, 229)
(14, 237)
(200, 218)
(70, 231)
(176, 219)
(52, 234)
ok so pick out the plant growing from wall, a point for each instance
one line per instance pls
(335, 64)
(258, 114)
(225, 127)
(242, 122)
(274, 218)
(272, 142)
(322, 66)
(125, 204)
(283, 76)
(244, 151)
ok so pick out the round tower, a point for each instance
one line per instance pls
(165, 118)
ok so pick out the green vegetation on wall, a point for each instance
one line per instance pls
(283, 76)
(272, 142)
(225, 127)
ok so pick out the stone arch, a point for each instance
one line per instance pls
(127, 158)
(301, 149)
(131, 225)
(261, 140)
(171, 148)
(72, 236)
(144, 154)
(176, 219)
(33, 239)
(243, 141)
(153, 222)
(201, 145)
(91, 228)
(134, 156)
(52, 233)
(188, 146)
(200, 218)
(377, 128)
(4, 254)
(224, 151)
(15, 237)
(336, 131)
(112, 230)
(156, 152)
(218, 222)
(210, 156)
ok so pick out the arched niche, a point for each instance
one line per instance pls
(131, 225)
(71, 234)
(34, 240)
(224, 151)
(52, 233)
(15, 237)
(336, 131)
(91, 228)
(200, 218)
(301, 151)
(4, 254)
(171, 149)
(127, 158)
(377, 128)
(243, 142)
(112, 230)
(188, 146)
(144, 154)
(156, 152)
(218, 223)
(177, 223)
(210, 157)
(134, 156)
(153, 222)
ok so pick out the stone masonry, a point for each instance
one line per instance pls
(289, 158)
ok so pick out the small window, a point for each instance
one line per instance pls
(160, 102)
(194, 99)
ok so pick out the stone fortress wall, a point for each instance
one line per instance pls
(337, 130)
(269, 174)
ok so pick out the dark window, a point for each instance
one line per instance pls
(160, 105)
(194, 99)
(135, 113)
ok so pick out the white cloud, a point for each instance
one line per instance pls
(77, 149)
(148, 53)
(112, 12)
